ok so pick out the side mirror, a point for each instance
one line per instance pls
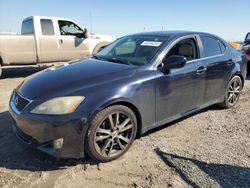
(84, 34)
(173, 62)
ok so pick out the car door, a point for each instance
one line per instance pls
(73, 44)
(219, 67)
(181, 90)
(48, 46)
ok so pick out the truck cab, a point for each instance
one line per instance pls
(60, 39)
(49, 39)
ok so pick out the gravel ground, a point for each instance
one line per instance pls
(208, 149)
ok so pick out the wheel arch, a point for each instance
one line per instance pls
(126, 103)
(4, 59)
(99, 45)
(241, 77)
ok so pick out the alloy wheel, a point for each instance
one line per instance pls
(234, 91)
(114, 134)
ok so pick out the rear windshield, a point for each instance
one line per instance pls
(28, 27)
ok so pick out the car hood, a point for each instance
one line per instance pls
(63, 79)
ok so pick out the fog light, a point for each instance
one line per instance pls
(58, 143)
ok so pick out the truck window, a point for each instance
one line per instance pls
(28, 27)
(47, 27)
(69, 28)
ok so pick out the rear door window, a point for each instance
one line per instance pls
(47, 27)
(211, 46)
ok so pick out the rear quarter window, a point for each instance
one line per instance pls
(211, 46)
(28, 27)
(222, 47)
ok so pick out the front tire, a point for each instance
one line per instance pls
(111, 133)
(233, 92)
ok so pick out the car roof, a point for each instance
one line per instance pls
(171, 33)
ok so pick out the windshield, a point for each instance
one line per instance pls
(135, 50)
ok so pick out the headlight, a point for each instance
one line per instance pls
(59, 106)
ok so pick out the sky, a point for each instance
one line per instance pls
(228, 19)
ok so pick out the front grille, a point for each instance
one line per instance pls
(20, 102)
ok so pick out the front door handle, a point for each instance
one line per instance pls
(60, 41)
(201, 70)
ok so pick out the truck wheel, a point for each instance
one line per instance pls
(232, 93)
(111, 133)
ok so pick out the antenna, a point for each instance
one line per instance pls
(90, 22)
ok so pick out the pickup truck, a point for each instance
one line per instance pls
(49, 39)
(246, 50)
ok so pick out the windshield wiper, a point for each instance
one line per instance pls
(115, 60)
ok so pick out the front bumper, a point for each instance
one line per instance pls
(40, 131)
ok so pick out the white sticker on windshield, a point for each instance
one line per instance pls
(151, 43)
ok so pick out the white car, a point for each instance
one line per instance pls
(49, 39)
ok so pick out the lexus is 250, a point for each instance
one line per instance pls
(98, 106)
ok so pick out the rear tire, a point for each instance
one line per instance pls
(232, 93)
(111, 133)
(248, 68)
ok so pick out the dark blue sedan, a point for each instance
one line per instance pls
(99, 105)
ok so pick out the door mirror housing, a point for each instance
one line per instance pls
(84, 34)
(174, 62)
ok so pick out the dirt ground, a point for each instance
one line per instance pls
(208, 149)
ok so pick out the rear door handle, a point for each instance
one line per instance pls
(201, 70)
